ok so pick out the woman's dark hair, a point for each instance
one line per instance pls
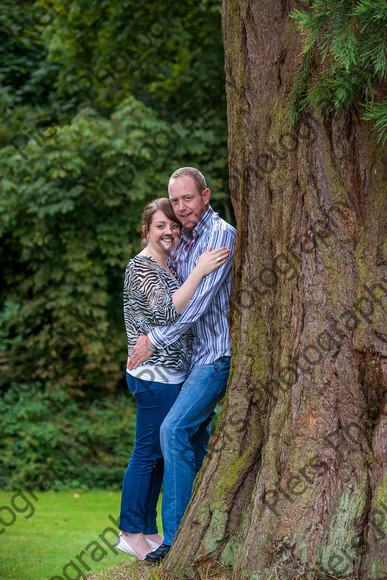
(163, 204)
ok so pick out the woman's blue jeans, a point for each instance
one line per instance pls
(184, 438)
(144, 474)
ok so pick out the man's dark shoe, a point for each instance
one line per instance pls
(158, 554)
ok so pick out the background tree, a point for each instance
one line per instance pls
(294, 484)
(101, 101)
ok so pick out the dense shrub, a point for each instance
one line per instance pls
(97, 110)
(47, 439)
(71, 221)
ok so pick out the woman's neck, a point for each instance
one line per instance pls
(157, 254)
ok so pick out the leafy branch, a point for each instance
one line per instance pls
(344, 56)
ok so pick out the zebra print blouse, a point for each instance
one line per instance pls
(148, 290)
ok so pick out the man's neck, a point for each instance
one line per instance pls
(189, 231)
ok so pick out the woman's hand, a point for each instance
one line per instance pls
(207, 263)
(211, 260)
(140, 353)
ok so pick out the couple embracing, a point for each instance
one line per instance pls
(178, 365)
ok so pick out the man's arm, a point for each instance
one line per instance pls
(162, 336)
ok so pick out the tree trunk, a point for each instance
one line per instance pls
(293, 483)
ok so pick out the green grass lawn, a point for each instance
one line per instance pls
(64, 524)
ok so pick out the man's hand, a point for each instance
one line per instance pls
(140, 353)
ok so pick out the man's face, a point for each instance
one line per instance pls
(187, 203)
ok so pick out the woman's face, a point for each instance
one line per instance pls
(163, 233)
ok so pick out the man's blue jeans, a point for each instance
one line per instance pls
(184, 438)
(144, 474)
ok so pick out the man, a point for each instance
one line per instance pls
(185, 431)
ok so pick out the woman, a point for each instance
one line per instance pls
(154, 297)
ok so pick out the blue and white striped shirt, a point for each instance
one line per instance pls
(207, 311)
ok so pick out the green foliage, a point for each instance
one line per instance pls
(168, 56)
(26, 77)
(343, 57)
(72, 212)
(34, 449)
(101, 102)
(98, 53)
(161, 53)
(89, 442)
(377, 112)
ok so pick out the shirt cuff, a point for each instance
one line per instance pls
(155, 337)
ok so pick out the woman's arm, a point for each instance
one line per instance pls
(208, 262)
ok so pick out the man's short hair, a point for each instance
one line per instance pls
(192, 172)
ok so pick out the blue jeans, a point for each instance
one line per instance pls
(144, 474)
(184, 438)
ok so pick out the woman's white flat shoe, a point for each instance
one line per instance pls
(123, 545)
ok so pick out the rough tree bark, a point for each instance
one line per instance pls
(293, 483)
